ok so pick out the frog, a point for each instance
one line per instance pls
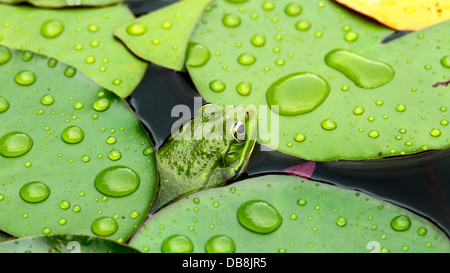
(188, 163)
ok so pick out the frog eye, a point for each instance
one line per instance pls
(231, 158)
(239, 131)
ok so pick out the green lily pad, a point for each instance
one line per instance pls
(279, 213)
(162, 36)
(340, 92)
(62, 3)
(65, 244)
(82, 38)
(73, 156)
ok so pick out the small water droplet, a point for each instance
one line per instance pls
(47, 99)
(358, 110)
(364, 72)
(329, 124)
(104, 226)
(34, 192)
(25, 77)
(244, 88)
(217, 86)
(136, 29)
(401, 107)
(300, 137)
(374, 134)
(93, 28)
(303, 25)
(297, 93)
(231, 20)
(445, 61)
(52, 28)
(197, 55)
(293, 9)
(435, 132)
(72, 135)
(90, 60)
(134, 214)
(177, 244)
(111, 140)
(27, 56)
(64, 204)
(401, 223)
(70, 71)
(4, 104)
(341, 221)
(422, 231)
(246, 59)
(351, 36)
(268, 6)
(220, 244)
(15, 144)
(258, 40)
(114, 155)
(101, 104)
(301, 202)
(5, 55)
(259, 216)
(117, 181)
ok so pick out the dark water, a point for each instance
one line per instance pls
(420, 183)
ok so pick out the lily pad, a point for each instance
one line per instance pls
(62, 3)
(65, 244)
(402, 15)
(340, 92)
(82, 38)
(162, 36)
(278, 213)
(74, 158)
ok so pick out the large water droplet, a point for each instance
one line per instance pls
(197, 55)
(297, 93)
(4, 104)
(5, 55)
(364, 72)
(104, 226)
(25, 77)
(101, 104)
(136, 29)
(34, 192)
(15, 144)
(72, 135)
(401, 223)
(259, 216)
(220, 244)
(177, 244)
(52, 28)
(445, 61)
(117, 181)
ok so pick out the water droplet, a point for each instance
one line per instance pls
(422, 231)
(70, 71)
(47, 99)
(220, 244)
(64, 204)
(101, 104)
(62, 221)
(166, 25)
(293, 9)
(115, 155)
(301, 202)
(177, 244)
(72, 135)
(401, 107)
(197, 55)
(259, 216)
(93, 28)
(34, 192)
(90, 60)
(401, 223)
(364, 72)
(374, 134)
(246, 59)
(52, 28)
(111, 140)
(46, 230)
(15, 144)
(445, 61)
(217, 86)
(117, 82)
(297, 93)
(25, 77)
(258, 40)
(5, 55)
(76, 208)
(4, 104)
(351, 36)
(231, 20)
(104, 226)
(329, 124)
(358, 110)
(85, 158)
(341, 221)
(244, 88)
(134, 214)
(117, 181)
(268, 6)
(303, 25)
(300, 137)
(136, 29)
(27, 56)
(435, 132)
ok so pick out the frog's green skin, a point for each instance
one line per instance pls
(187, 165)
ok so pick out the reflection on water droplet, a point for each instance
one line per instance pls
(197, 55)
(401, 223)
(25, 77)
(15, 144)
(297, 93)
(220, 244)
(117, 181)
(136, 29)
(364, 72)
(259, 216)
(72, 135)
(177, 244)
(34, 192)
(104, 226)
(52, 28)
